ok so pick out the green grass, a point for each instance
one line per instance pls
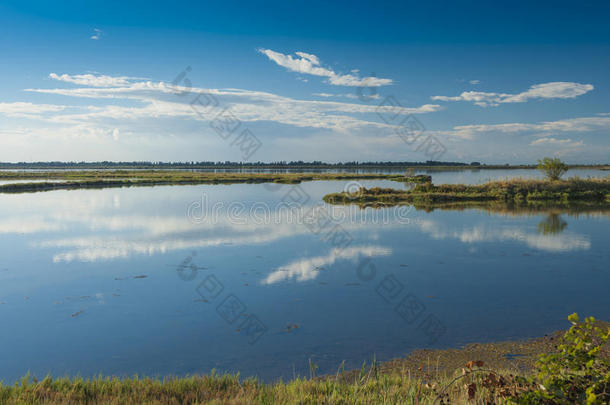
(514, 192)
(367, 387)
(423, 377)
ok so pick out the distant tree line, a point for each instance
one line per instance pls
(225, 164)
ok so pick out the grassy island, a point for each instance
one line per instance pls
(68, 180)
(513, 192)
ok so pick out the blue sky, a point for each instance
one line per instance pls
(489, 82)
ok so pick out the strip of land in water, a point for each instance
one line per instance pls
(68, 180)
(514, 192)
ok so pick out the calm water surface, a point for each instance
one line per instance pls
(74, 299)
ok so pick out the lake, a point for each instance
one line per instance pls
(261, 278)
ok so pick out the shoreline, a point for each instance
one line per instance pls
(421, 377)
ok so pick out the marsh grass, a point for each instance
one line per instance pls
(515, 192)
(423, 377)
(367, 387)
(131, 178)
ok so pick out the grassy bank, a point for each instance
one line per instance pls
(515, 192)
(478, 373)
(123, 178)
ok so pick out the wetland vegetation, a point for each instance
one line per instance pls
(570, 367)
(516, 192)
(67, 180)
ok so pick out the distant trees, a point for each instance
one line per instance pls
(553, 168)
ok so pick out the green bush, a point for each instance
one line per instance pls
(575, 374)
(553, 168)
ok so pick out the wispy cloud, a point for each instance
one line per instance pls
(21, 109)
(474, 81)
(546, 128)
(552, 90)
(160, 101)
(557, 142)
(307, 63)
(92, 80)
(97, 34)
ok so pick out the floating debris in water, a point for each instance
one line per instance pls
(323, 283)
(246, 284)
(201, 300)
(259, 257)
(290, 327)
(116, 295)
(26, 298)
(74, 315)
(58, 302)
(119, 278)
(142, 276)
(2, 302)
(84, 297)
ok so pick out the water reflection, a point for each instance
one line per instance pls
(552, 225)
(80, 257)
(309, 268)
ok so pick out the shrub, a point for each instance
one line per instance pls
(575, 374)
(553, 168)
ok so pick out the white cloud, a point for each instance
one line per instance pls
(310, 64)
(97, 34)
(161, 100)
(92, 80)
(474, 82)
(552, 90)
(585, 124)
(557, 142)
(21, 109)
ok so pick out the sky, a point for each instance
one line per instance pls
(293, 80)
